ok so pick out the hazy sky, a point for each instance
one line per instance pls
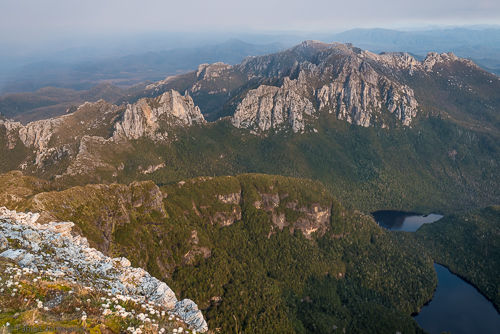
(41, 19)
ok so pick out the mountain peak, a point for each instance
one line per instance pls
(147, 117)
(315, 44)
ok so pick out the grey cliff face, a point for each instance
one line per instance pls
(356, 86)
(93, 126)
(38, 134)
(269, 107)
(359, 93)
(146, 117)
(11, 132)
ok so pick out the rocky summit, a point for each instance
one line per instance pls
(285, 89)
(236, 118)
(145, 118)
(51, 248)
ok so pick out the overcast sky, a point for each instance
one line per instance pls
(39, 19)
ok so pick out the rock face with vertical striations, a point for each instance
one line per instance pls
(269, 107)
(146, 117)
(359, 94)
(356, 86)
(287, 89)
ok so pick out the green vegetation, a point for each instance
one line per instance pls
(42, 303)
(247, 273)
(469, 245)
(437, 165)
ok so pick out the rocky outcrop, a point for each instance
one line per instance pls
(52, 248)
(358, 97)
(227, 218)
(55, 138)
(86, 160)
(151, 117)
(232, 198)
(308, 219)
(395, 60)
(85, 135)
(357, 86)
(269, 107)
(38, 134)
(11, 132)
(211, 71)
(434, 58)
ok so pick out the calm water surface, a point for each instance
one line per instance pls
(403, 221)
(457, 307)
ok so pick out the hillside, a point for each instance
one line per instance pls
(380, 131)
(469, 245)
(48, 271)
(256, 253)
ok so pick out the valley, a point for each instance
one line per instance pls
(248, 188)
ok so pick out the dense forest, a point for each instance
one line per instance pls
(469, 245)
(437, 165)
(258, 253)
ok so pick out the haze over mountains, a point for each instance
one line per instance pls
(242, 173)
(305, 91)
(152, 58)
(68, 78)
(127, 70)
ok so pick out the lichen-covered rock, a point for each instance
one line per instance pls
(4, 243)
(52, 247)
(188, 310)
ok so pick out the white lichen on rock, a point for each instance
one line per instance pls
(52, 248)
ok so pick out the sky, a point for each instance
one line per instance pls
(37, 20)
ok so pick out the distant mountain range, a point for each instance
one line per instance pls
(129, 69)
(82, 68)
(310, 93)
(246, 187)
(481, 44)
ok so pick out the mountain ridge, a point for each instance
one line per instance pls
(278, 104)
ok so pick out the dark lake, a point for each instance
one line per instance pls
(457, 307)
(403, 221)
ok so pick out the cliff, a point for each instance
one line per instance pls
(152, 117)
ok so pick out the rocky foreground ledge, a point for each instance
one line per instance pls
(50, 249)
